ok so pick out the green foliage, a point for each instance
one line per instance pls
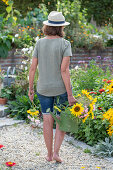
(91, 78)
(104, 148)
(105, 101)
(86, 78)
(101, 10)
(91, 131)
(35, 17)
(88, 41)
(71, 11)
(18, 108)
(5, 44)
(5, 93)
(87, 150)
(25, 6)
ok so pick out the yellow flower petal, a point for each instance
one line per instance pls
(57, 108)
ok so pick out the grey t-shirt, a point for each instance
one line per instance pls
(50, 53)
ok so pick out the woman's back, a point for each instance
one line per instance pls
(50, 53)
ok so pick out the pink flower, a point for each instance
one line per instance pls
(86, 109)
(85, 115)
(94, 107)
(29, 117)
(32, 119)
(37, 122)
(80, 116)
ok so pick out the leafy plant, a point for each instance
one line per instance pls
(18, 108)
(104, 148)
(86, 78)
(5, 44)
(35, 17)
(5, 93)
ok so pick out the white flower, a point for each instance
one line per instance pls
(37, 38)
(24, 62)
(26, 68)
(25, 50)
(31, 48)
(29, 52)
(16, 35)
(110, 36)
(77, 67)
(96, 36)
(32, 119)
(21, 66)
(37, 122)
(13, 40)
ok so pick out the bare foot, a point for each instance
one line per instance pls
(57, 158)
(49, 158)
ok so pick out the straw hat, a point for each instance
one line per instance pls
(56, 19)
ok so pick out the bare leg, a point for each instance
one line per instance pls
(48, 134)
(59, 136)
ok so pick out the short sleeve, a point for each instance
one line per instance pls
(35, 52)
(67, 49)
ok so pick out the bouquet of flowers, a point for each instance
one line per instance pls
(70, 115)
(34, 116)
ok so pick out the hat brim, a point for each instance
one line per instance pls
(55, 25)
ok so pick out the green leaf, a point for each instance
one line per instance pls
(17, 12)
(8, 44)
(8, 9)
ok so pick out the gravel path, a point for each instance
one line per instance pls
(25, 146)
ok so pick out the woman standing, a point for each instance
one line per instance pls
(52, 56)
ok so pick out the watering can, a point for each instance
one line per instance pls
(66, 122)
(9, 78)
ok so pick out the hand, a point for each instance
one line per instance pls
(72, 100)
(31, 94)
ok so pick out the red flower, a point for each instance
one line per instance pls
(1, 146)
(109, 81)
(100, 108)
(101, 90)
(10, 163)
(92, 92)
(104, 79)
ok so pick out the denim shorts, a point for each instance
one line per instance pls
(49, 101)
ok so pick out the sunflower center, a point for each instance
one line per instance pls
(111, 86)
(77, 109)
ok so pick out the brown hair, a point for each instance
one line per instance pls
(52, 30)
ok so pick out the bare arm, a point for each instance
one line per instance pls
(31, 77)
(66, 78)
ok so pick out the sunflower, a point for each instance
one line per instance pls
(109, 114)
(77, 109)
(110, 88)
(110, 130)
